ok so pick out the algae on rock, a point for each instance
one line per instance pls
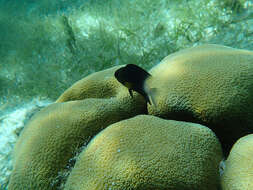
(38, 39)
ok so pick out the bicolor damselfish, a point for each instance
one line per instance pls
(133, 77)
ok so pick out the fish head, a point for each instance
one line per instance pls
(120, 75)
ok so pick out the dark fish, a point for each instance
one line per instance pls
(133, 77)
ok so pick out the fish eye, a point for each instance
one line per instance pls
(116, 74)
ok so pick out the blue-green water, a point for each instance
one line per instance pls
(45, 46)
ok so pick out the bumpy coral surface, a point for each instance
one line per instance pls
(239, 166)
(147, 152)
(97, 85)
(55, 134)
(208, 84)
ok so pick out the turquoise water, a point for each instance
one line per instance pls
(48, 45)
(45, 46)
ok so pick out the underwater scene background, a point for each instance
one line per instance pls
(46, 46)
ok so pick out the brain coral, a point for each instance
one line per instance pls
(147, 152)
(210, 85)
(239, 166)
(207, 84)
(101, 84)
(55, 134)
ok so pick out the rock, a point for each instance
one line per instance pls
(147, 152)
(208, 84)
(239, 165)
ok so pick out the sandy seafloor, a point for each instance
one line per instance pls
(10, 125)
(46, 46)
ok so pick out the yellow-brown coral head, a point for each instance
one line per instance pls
(133, 77)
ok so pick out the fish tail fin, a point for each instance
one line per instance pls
(151, 95)
(150, 92)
